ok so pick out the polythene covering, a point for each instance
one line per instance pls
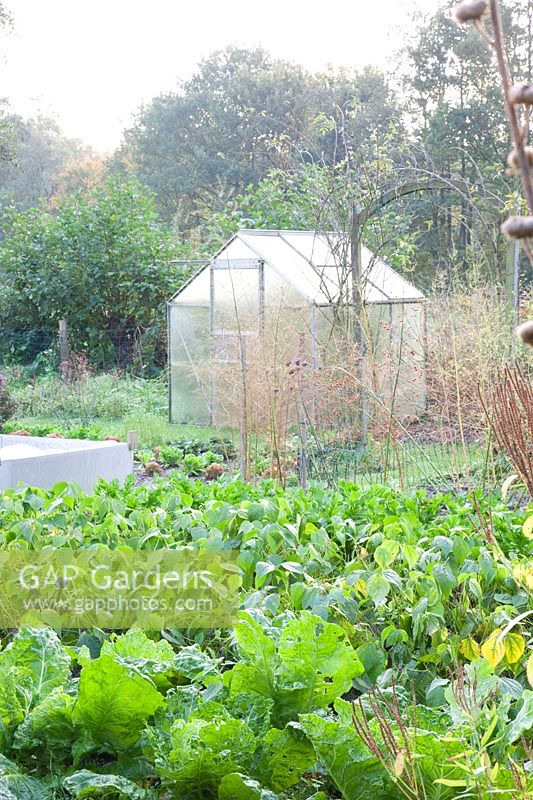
(292, 291)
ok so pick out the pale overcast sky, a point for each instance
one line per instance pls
(91, 63)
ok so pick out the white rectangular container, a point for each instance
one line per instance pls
(78, 460)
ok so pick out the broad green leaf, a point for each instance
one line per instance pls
(134, 649)
(262, 569)
(254, 709)
(312, 664)
(135, 644)
(246, 677)
(317, 663)
(114, 703)
(194, 665)
(386, 553)
(374, 660)
(494, 648)
(203, 751)
(410, 554)
(523, 722)
(356, 773)
(13, 705)
(252, 642)
(285, 757)
(21, 786)
(39, 658)
(445, 579)
(378, 589)
(435, 758)
(435, 693)
(48, 731)
(239, 787)
(86, 784)
(157, 660)
(255, 671)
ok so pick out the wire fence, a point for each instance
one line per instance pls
(406, 465)
(140, 352)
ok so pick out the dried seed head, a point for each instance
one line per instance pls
(518, 228)
(213, 471)
(521, 93)
(513, 162)
(470, 11)
(525, 332)
(153, 468)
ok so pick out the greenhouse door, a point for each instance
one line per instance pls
(189, 364)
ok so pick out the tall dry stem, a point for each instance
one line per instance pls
(511, 415)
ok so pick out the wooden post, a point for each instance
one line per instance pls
(63, 341)
(133, 440)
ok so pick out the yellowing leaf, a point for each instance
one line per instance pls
(515, 644)
(450, 782)
(506, 485)
(529, 669)
(399, 764)
(470, 649)
(523, 574)
(494, 648)
(527, 527)
(360, 587)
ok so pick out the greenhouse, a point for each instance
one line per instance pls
(271, 299)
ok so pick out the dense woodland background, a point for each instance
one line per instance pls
(251, 141)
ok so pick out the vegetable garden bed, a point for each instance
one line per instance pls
(408, 611)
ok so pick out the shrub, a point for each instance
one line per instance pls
(7, 404)
(469, 340)
(101, 260)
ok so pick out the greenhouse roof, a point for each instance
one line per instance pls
(314, 264)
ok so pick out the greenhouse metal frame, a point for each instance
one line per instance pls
(232, 296)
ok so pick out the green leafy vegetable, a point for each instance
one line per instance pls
(114, 703)
(86, 784)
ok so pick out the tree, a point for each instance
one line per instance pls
(40, 153)
(455, 101)
(101, 262)
(6, 127)
(226, 126)
(6, 20)
(240, 116)
(81, 173)
(320, 197)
